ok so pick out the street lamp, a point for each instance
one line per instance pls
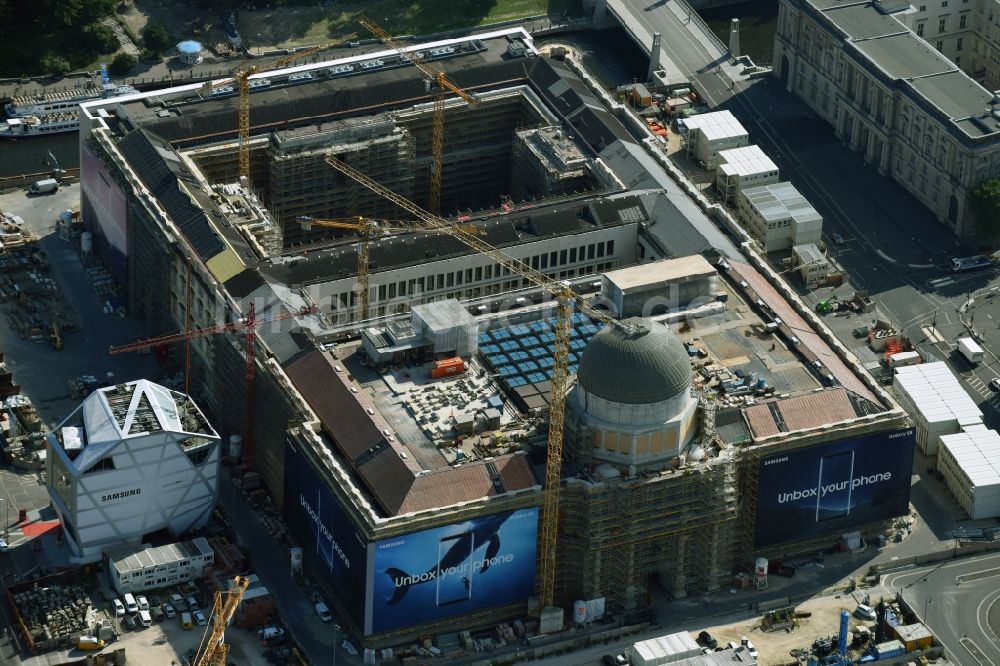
(926, 602)
(336, 631)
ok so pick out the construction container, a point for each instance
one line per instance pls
(914, 636)
(889, 649)
(448, 367)
(900, 359)
(665, 649)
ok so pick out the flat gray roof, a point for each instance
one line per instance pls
(860, 22)
(957, 96)
(881, 42)
(903, 55)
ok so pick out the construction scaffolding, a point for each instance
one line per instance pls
(303, 185)
(547, 162)
(622, 535)
(476, 168)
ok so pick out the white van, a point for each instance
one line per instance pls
(145, 619)
(130, 604)
(323, 611)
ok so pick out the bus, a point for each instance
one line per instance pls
(959, 264)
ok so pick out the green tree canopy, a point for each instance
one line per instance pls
(100, 38)
(53, 64)
(985, 203)
(123, 64)
(156, 38)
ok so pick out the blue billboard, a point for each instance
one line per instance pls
(451, 570)
(329, 540)
(834, 487)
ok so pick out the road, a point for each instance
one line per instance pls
(686, 43)
(954, 600)
(271, 563)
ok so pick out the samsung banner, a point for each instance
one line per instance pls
(833, 487)
(328, 538)
(445, 571)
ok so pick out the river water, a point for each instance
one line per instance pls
(609, 54)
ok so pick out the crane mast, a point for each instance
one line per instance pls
(568, 300)
(242, 81)
(444, 85)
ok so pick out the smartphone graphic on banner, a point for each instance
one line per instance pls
(454, 571)
(834, 486)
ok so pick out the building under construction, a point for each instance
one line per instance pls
(409, 463)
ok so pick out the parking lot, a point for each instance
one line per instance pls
(43, 372)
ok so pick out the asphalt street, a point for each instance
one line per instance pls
(954, 600)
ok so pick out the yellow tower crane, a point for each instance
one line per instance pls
(213, 649)
(567, 300)
(242, 80)
(444, 85)
(366, 229)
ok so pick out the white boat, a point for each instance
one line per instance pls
(67, 100)
(51, 123)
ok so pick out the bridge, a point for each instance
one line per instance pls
(687, 50)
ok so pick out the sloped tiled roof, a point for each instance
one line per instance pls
(399, 485)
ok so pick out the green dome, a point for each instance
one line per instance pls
(640, 364)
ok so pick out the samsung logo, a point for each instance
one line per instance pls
(775, 461)
(122, 494)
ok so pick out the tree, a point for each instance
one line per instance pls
(100, 38)
(985, 203)
(93, 10)
(53, 64)
(123, 63)
(156, 38)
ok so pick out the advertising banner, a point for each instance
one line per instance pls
(105, 213)
(444, 571)
(329, 540)
(833, 487)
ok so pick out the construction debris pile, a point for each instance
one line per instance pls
(34, 306)
(54, 616)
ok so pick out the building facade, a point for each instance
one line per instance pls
(132, 459)
(867, 70)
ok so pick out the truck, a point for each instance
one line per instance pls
(971, 350)
(43, 186)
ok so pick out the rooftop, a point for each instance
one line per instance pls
(936, 394)
(659, 272)
(126, 559)
(402, 472)
(977, 453)
(780, 201)
(716, 125)
(117, 413)
(887, 46)
(745, 161)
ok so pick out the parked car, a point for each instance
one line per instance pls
(119, 608)
(864, 612)
(3, 546)
(177, 601)
(994, 384)
(706, 639)
(142, 603)
(129, 622)
(168, 610)
(192, 603)
(200, 618)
